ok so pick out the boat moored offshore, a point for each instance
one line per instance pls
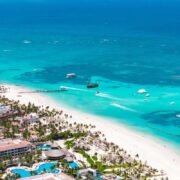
(62, 88)
(92, 85)
(70, 75)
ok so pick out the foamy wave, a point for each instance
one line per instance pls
(123, 107)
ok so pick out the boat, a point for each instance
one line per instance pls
(178, 115)
(70, 75)
(141, 91)
(97, 92)
(63, 88)
(92, 85)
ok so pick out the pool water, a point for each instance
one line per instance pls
(44, 147)
(47, 167)
(73, 165)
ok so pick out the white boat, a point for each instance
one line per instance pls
(178, 115)
(70, 75)
(148, 95)
(141, 91)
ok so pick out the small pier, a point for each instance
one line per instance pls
(43, 91)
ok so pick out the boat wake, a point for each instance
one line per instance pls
(76, 89)
(123, 107)
(108, 96)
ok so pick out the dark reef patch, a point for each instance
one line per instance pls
(164, 118)
(137, 74)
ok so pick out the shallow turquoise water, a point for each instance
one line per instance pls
(44, 147)
(124, 50)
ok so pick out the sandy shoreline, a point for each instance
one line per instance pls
(155, 152)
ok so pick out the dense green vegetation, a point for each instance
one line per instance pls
(73, 134)
(69, 144)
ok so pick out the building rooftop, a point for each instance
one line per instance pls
(4, 109)
(8, 144)
(47, 176)
(55, 153)
(54, 146)
(69, 159)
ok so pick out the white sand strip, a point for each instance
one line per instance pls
(157, 153)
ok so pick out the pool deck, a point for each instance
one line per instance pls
(65, 177)
(49, 176)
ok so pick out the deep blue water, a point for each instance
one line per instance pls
(124, 46)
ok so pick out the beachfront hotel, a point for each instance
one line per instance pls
(30, 118)
(4, 109)
(14, 147)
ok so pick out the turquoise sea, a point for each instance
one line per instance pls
(124, 46)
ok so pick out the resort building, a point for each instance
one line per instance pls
(14, 147)
(88, 174)
(54, 146)
(30, 118)
(4, 110)
(55, 154)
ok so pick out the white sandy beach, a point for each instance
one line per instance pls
(157, 154)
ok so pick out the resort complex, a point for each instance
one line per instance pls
(89, 89)
(40, 142)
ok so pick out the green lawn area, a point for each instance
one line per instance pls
(70, 143)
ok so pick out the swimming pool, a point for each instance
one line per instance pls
(45, 167)
(44, 147)
(73, 165)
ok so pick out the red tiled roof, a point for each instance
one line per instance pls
(10, 144)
